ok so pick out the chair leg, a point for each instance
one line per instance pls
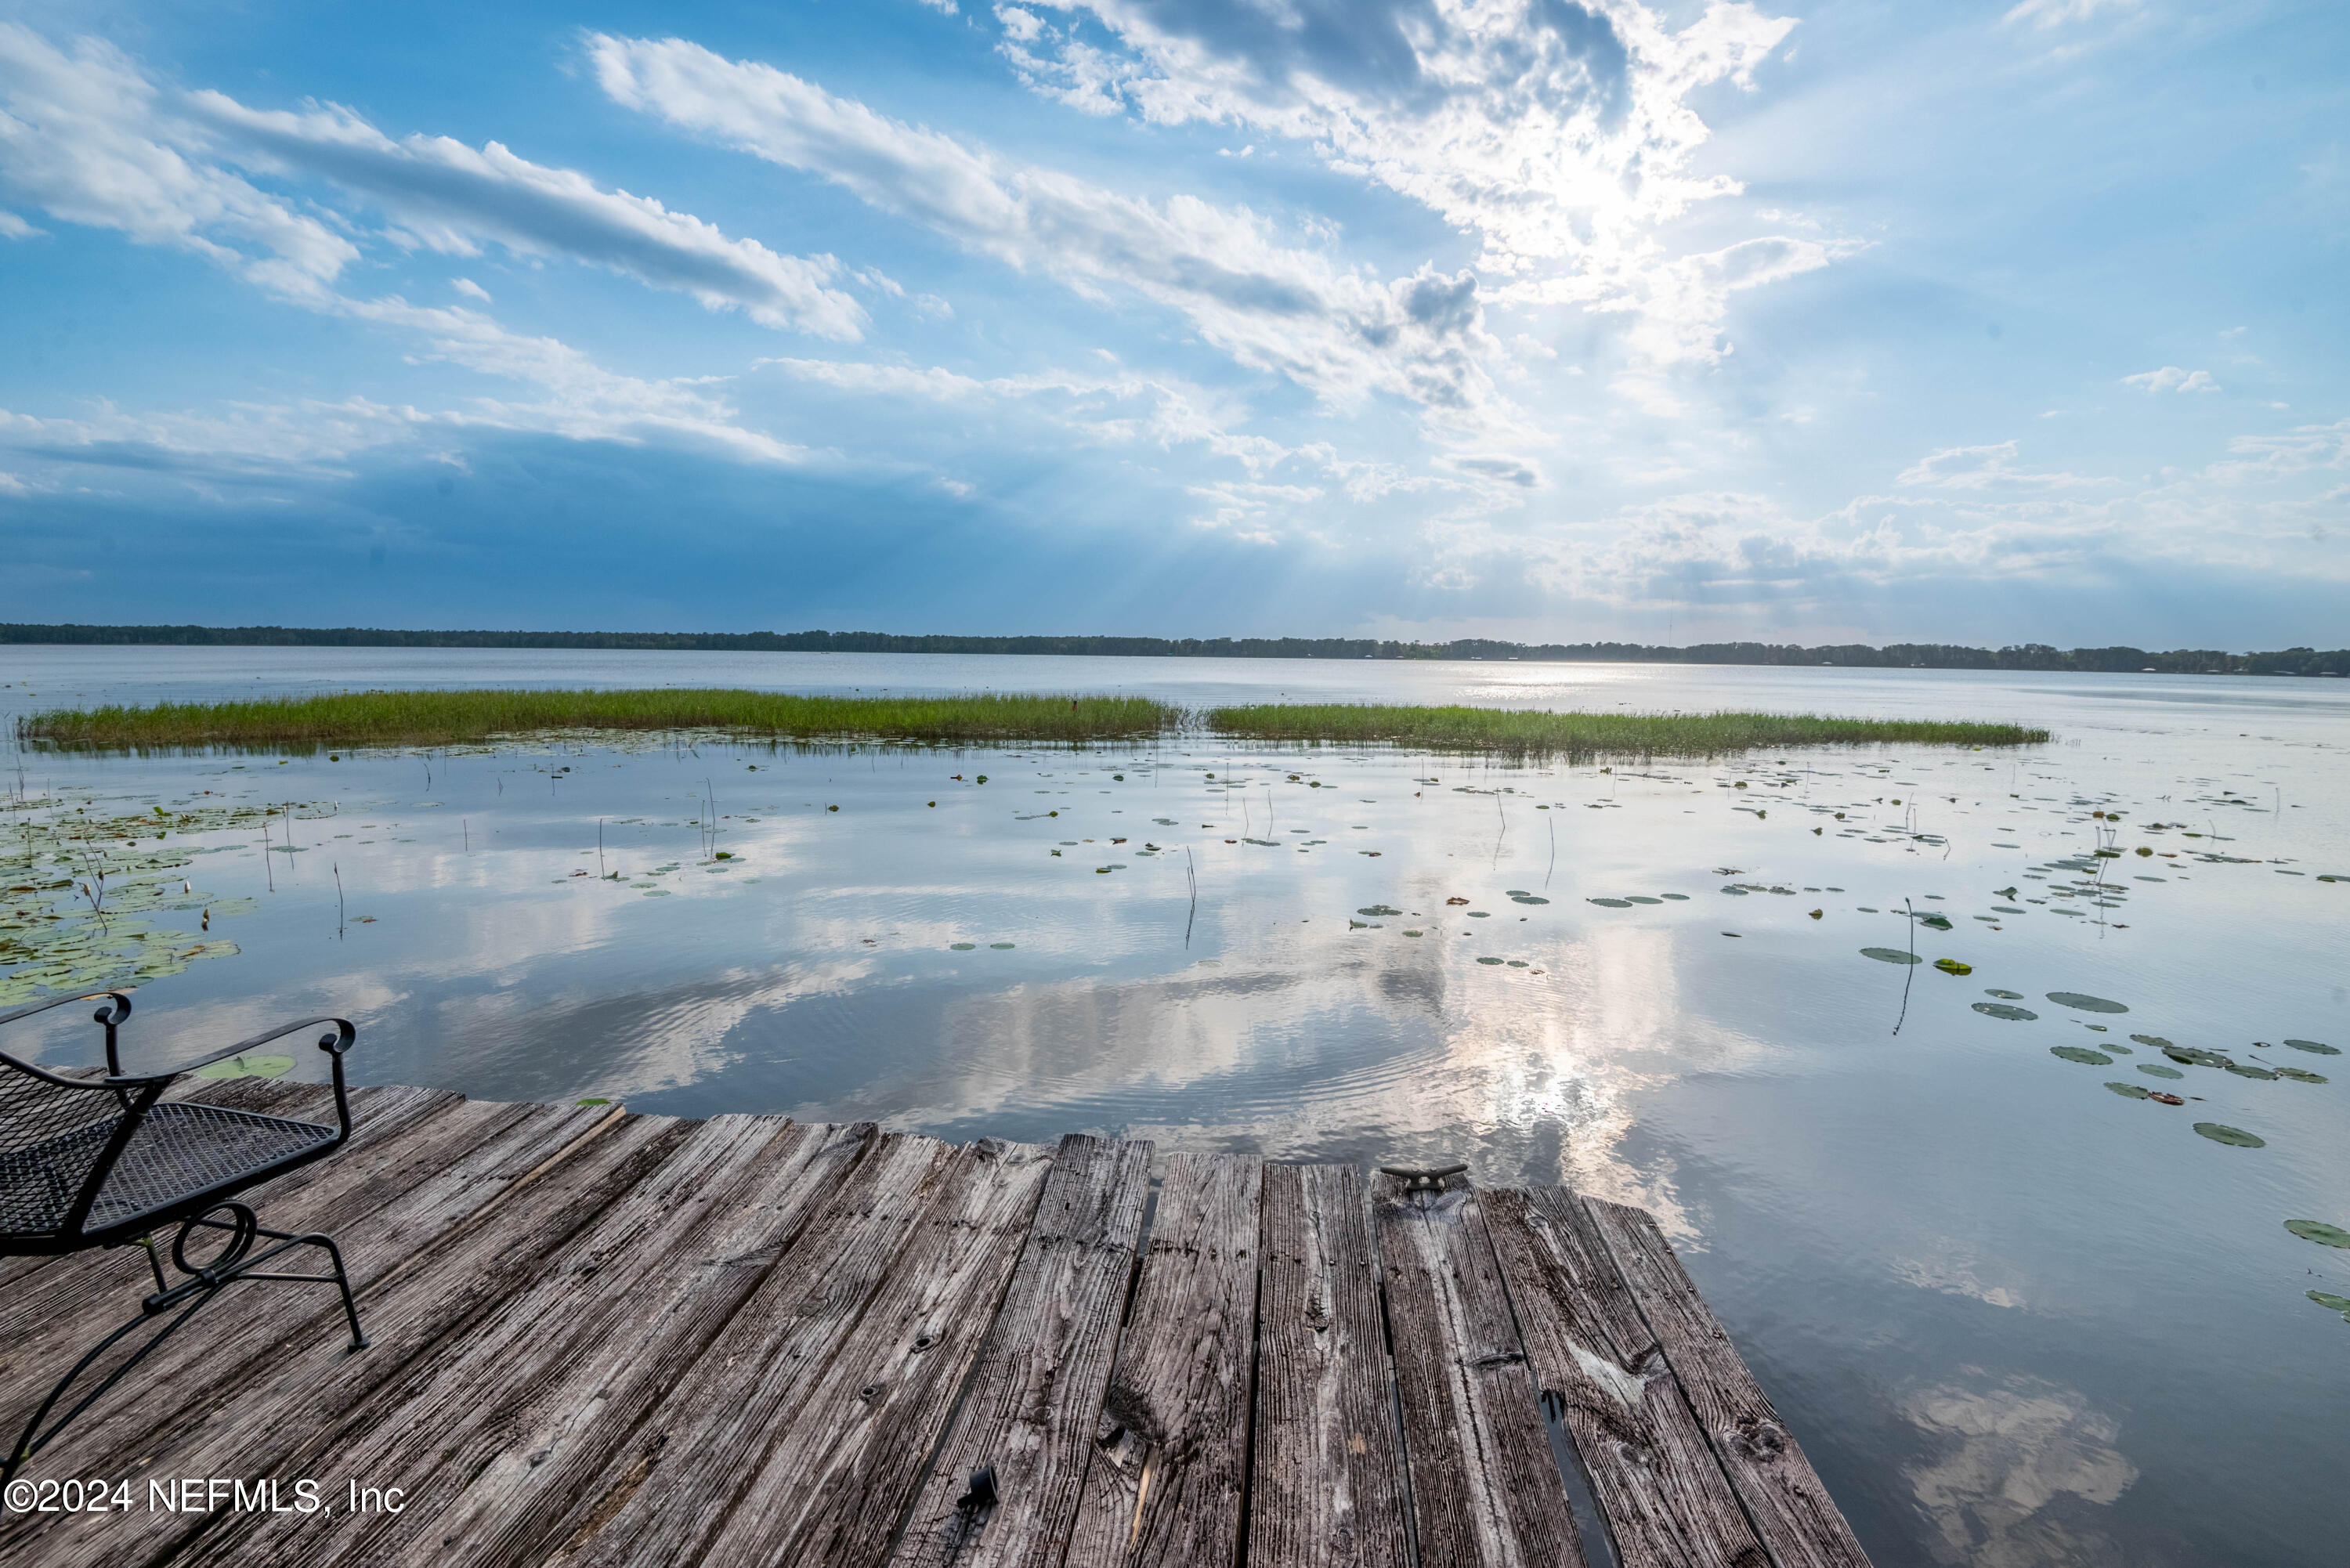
(204, 1283)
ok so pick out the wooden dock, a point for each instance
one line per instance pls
(606, 1338)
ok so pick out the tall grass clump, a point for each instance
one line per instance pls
(1579, 735)
(455, 718)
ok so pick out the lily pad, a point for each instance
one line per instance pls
(1610, 903)
(1935, 922)
(2234, 1138)
(1489, 960)
(2244, 1070)
(1527, 898)
(2085, 1004)
(1641, 899)
(1952, 966)
(1480, 915)
(2315, 1048)
(2008, 1010)
(2319, 1231)
(2302, 1075)
(248, 1067)
(2131, 1091)
(2156, 1041)
(1378, 909)
(2195, 1056)
(2082, 1054)
(2329, 1300)
(999, 947)
(1890, 955)
(2004, 995)
(961, 947)
(2156, 1070)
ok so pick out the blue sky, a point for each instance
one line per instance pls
(1402, 317)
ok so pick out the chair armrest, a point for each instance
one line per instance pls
(334, 1044)
(107, 1015)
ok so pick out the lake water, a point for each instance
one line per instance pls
(2015, 1314)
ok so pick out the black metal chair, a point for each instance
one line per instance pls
(107, 1161)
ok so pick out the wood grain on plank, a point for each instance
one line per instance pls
(1165, 1483)
(1328, 1489)
(839, 1475)
(1798, 1521)
(1662, 1492)
(1485, 1490)
(489, 1433)
(1029, 1414)
(434, 1269)
(49, 1319)
(670, 1487)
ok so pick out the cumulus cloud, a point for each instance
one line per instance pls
(453, 198)
(86, 138)
(89, 138)
(13, 227)
(1558, 134)
(2171, 378)
(1983, 468)
(1551, 128)
(1272, 308)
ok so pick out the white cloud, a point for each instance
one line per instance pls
(2047, 13)
(1553, 128)
(453, 198)
(13, 227)
(1270, 306)
(472, 290)
(1983, 468)
(2171, 378)
(86, 138)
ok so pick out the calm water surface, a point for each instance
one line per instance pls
(2018, 1315)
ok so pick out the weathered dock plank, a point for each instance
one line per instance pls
(1165, 1484)
(1790, 1509)
(1485, 1491)
(609, 1339)
(839, 1476)
(490, 1431)
(291, 1388)
(670, 1488)
(424, 1174)
(1029, 1418)
(1328, 1483)
(1664, 1498)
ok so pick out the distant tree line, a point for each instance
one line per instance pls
(1898, 656)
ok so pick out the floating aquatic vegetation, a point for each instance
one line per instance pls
(1001, 947)
(1378, 909)
(2301, 1074)
(2156, 1041)
(2166, 1099)
(1952, 966)
(2319, 1231)
(2315, 1048)
(1610, 903)
(2195, 1057)
(2003, 1009)
(2082, 1054)
(2004, 995)
(2085, 1004)
(1527, 898)
(2245, 1070)
(2131, 1091)
(1890, 955)
(1480, 914)
(2234, 1138)
(1640, 898)
(247, 1067)
(961, 947)
(1489, 960)
(1935, 922)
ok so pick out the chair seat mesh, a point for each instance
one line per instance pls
(182, 1148)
